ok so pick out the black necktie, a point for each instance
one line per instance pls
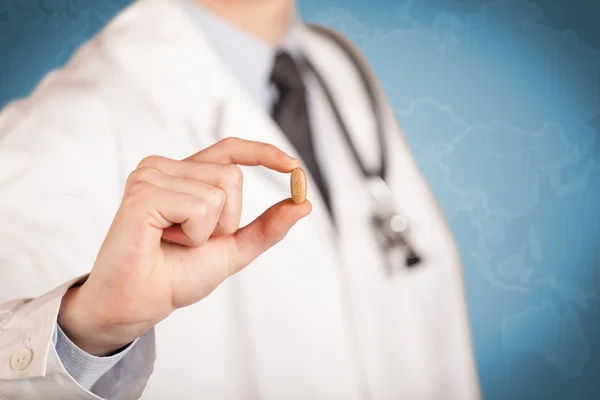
(291, 114)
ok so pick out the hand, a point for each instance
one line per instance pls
(174, 239)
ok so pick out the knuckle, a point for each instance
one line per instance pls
(235, 175)
(230, 140)
(217, 198)
(143, 174)
(262, 233)
(200, 209)
(271, 148)
(150, 162)
(227, 228)
(138, 193)
(195, 235)
(139, 187)
(273, 152)
(196, 241)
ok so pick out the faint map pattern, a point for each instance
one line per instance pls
(500, 101)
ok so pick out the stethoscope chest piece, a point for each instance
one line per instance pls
(391, 228)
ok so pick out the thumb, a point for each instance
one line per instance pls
(265, 231)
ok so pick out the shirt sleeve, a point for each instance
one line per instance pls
(30, 367)
(85, 368)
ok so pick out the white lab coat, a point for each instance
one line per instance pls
(316, 317)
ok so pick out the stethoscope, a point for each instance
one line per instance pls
(391, 226)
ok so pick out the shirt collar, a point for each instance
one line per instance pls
(249, 59)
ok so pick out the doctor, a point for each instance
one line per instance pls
(141, 159)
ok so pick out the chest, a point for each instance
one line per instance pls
(316, 315)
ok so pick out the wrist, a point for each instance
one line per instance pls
(81, 322)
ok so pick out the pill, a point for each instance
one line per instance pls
(298, 185)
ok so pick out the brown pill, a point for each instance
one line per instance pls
(298, 185)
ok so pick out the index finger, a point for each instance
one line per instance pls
(246, 152)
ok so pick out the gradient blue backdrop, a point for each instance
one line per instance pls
(500, 101)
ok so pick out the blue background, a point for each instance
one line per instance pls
(500, 101)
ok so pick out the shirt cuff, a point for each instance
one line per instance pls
(85, 368)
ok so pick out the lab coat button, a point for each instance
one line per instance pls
(21, 359)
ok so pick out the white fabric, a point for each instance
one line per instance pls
(30, 323)
(250, 60)
(315, 317)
